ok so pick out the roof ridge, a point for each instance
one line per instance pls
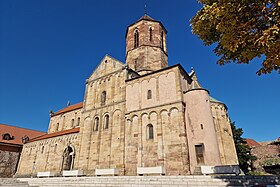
(55, 134)
(73, 106)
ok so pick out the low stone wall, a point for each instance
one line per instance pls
(8, 163)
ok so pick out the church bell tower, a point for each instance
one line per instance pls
(146, 48)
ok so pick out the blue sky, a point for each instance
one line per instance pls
(49, 47)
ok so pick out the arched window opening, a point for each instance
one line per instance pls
(96, 124)
(162, 42)
(78, 121)
(57, 127)
(135, 64)
(150, 132)
(201, 126)
(42, 151)
(149, 94)
(106, 122)
(72, 123)
(103, 98)
(55, 148)
(136, 38)
(151, 34)
(68, 158)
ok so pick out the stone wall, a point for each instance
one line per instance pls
(65, 121)
(101, 146)
(163, 110)
(47, 155)
(108, 77)
(8, 163)
(200, 130)
(224, 134)
(102, 132)
(164, 88)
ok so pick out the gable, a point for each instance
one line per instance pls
(105, 67)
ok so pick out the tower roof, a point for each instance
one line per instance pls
(195, 84)
(69, 108)
(147, 18)
(212, 99)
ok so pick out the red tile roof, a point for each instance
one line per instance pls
(18, 133)
(252, 143)
(69, 108)
(59, 133)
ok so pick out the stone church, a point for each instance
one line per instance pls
(138, 117)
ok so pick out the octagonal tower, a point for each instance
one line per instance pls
(146, 48)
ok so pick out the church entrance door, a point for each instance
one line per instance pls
(199, 154)
(68, 158)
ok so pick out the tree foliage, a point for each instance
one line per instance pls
(242, 29)
(243, 151)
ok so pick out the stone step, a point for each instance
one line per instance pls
(141, 182)
(197, 171)
(11, 182)
(112, 183)
(149, 181)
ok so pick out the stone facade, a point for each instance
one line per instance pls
(66, 121)
(46, 154)
(146, 48)
(8, 162)
(224, 132)
(139, 114)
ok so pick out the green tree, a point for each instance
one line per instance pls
(243, 151)
(242, 29)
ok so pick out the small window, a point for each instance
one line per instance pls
(149, 94)
(201, 126)
(96, 124)
(136, 38)
(151, 34)
(42, 151)
(30, 151)
(78, 121)
(57, 127)
(106, 122)
(55, 148)
(135, 64)
(103, 98)
(72, 123)
(162, 42)
(150, 132)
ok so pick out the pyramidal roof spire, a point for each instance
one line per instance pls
(195, 84)
(145, 9)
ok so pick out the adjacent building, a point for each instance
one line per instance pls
(267, 156)
(11, 143)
